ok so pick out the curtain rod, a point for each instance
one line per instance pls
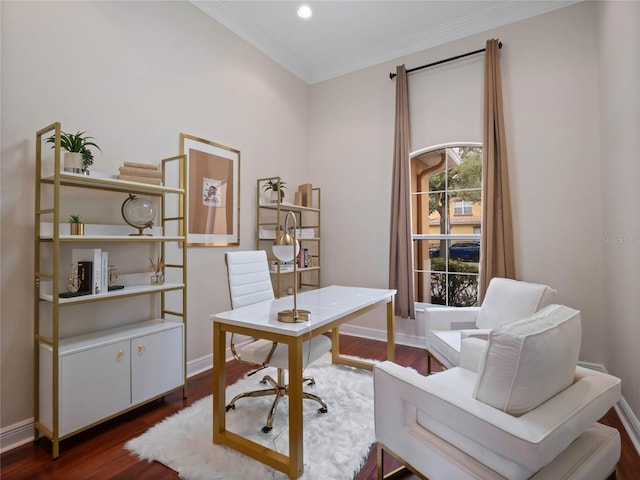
(439, 62)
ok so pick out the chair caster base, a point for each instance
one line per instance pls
(322, 410)
(266, 429)
(229, 407)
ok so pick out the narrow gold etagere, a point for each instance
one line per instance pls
(159, 342)
(270, 217)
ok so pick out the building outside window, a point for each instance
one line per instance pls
(446, 200)
(462, 207)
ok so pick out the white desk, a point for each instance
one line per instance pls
(330, 307)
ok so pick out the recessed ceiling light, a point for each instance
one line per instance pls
(305, 11)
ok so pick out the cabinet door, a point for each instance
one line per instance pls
(157, 363)
(94, 384)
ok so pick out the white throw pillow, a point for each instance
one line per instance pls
(509, 300)
(529, 361)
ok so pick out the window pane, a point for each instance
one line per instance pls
(446, 225)
(438, 213)
(456, 285)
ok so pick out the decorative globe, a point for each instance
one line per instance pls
(139, 212)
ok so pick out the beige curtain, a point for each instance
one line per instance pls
(497, 257)
(401, 257)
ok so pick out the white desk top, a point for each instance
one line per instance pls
(325, 304)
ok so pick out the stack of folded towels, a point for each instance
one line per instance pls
(141, 172)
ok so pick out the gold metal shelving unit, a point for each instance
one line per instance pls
(51, 184)
(270, 216)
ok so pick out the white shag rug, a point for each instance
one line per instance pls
(336, 443)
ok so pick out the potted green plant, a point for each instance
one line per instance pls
(77, 158)
(76, 227)
(275, 187)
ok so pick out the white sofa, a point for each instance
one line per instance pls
(506, 300)
(517, 408)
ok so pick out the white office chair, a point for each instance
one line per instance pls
(250, 282)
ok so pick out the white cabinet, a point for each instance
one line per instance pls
(156, 364)
(101, 354)
(105, 373)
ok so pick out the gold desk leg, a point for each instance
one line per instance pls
(219, 382)
(296, 464)
(391, 343)
(335, 345)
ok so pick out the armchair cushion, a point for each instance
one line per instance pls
(529, 361)
(472, 351)
(508, 300)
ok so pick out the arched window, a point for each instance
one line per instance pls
(446, 203)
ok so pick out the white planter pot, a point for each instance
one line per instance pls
(73, 162)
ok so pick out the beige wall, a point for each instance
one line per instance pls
(153, 69)
(551, 111)
(135, 75)
(550, 71)
(619, 49)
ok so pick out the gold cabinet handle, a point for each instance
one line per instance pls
(140, 349)
(120, 355)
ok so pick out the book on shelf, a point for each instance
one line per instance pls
(139, 179)
(305, 233)
(284, 266)
(93, 255)
(85, 277)
(140, 172)
(147, 166)
(104, 270)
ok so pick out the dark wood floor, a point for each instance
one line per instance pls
(99, 453)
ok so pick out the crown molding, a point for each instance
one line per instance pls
(500, 14)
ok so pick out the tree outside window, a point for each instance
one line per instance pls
(447, 215)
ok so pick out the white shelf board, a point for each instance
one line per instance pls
(105, 233)
(110, 182)
(113, 335)
(288, 206)
(45, 293)
(298, 270)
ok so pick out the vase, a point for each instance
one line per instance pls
(73, 162)
(76, 228)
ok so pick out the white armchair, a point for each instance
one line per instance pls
(505, 301)
(526, 411)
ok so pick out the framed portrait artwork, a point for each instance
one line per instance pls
(213, 209)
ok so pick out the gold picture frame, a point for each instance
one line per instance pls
(213, 185)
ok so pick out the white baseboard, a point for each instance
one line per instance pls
(629, 420)
(200, 365)
(22, 433)
(381, 335)
(16, 435)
